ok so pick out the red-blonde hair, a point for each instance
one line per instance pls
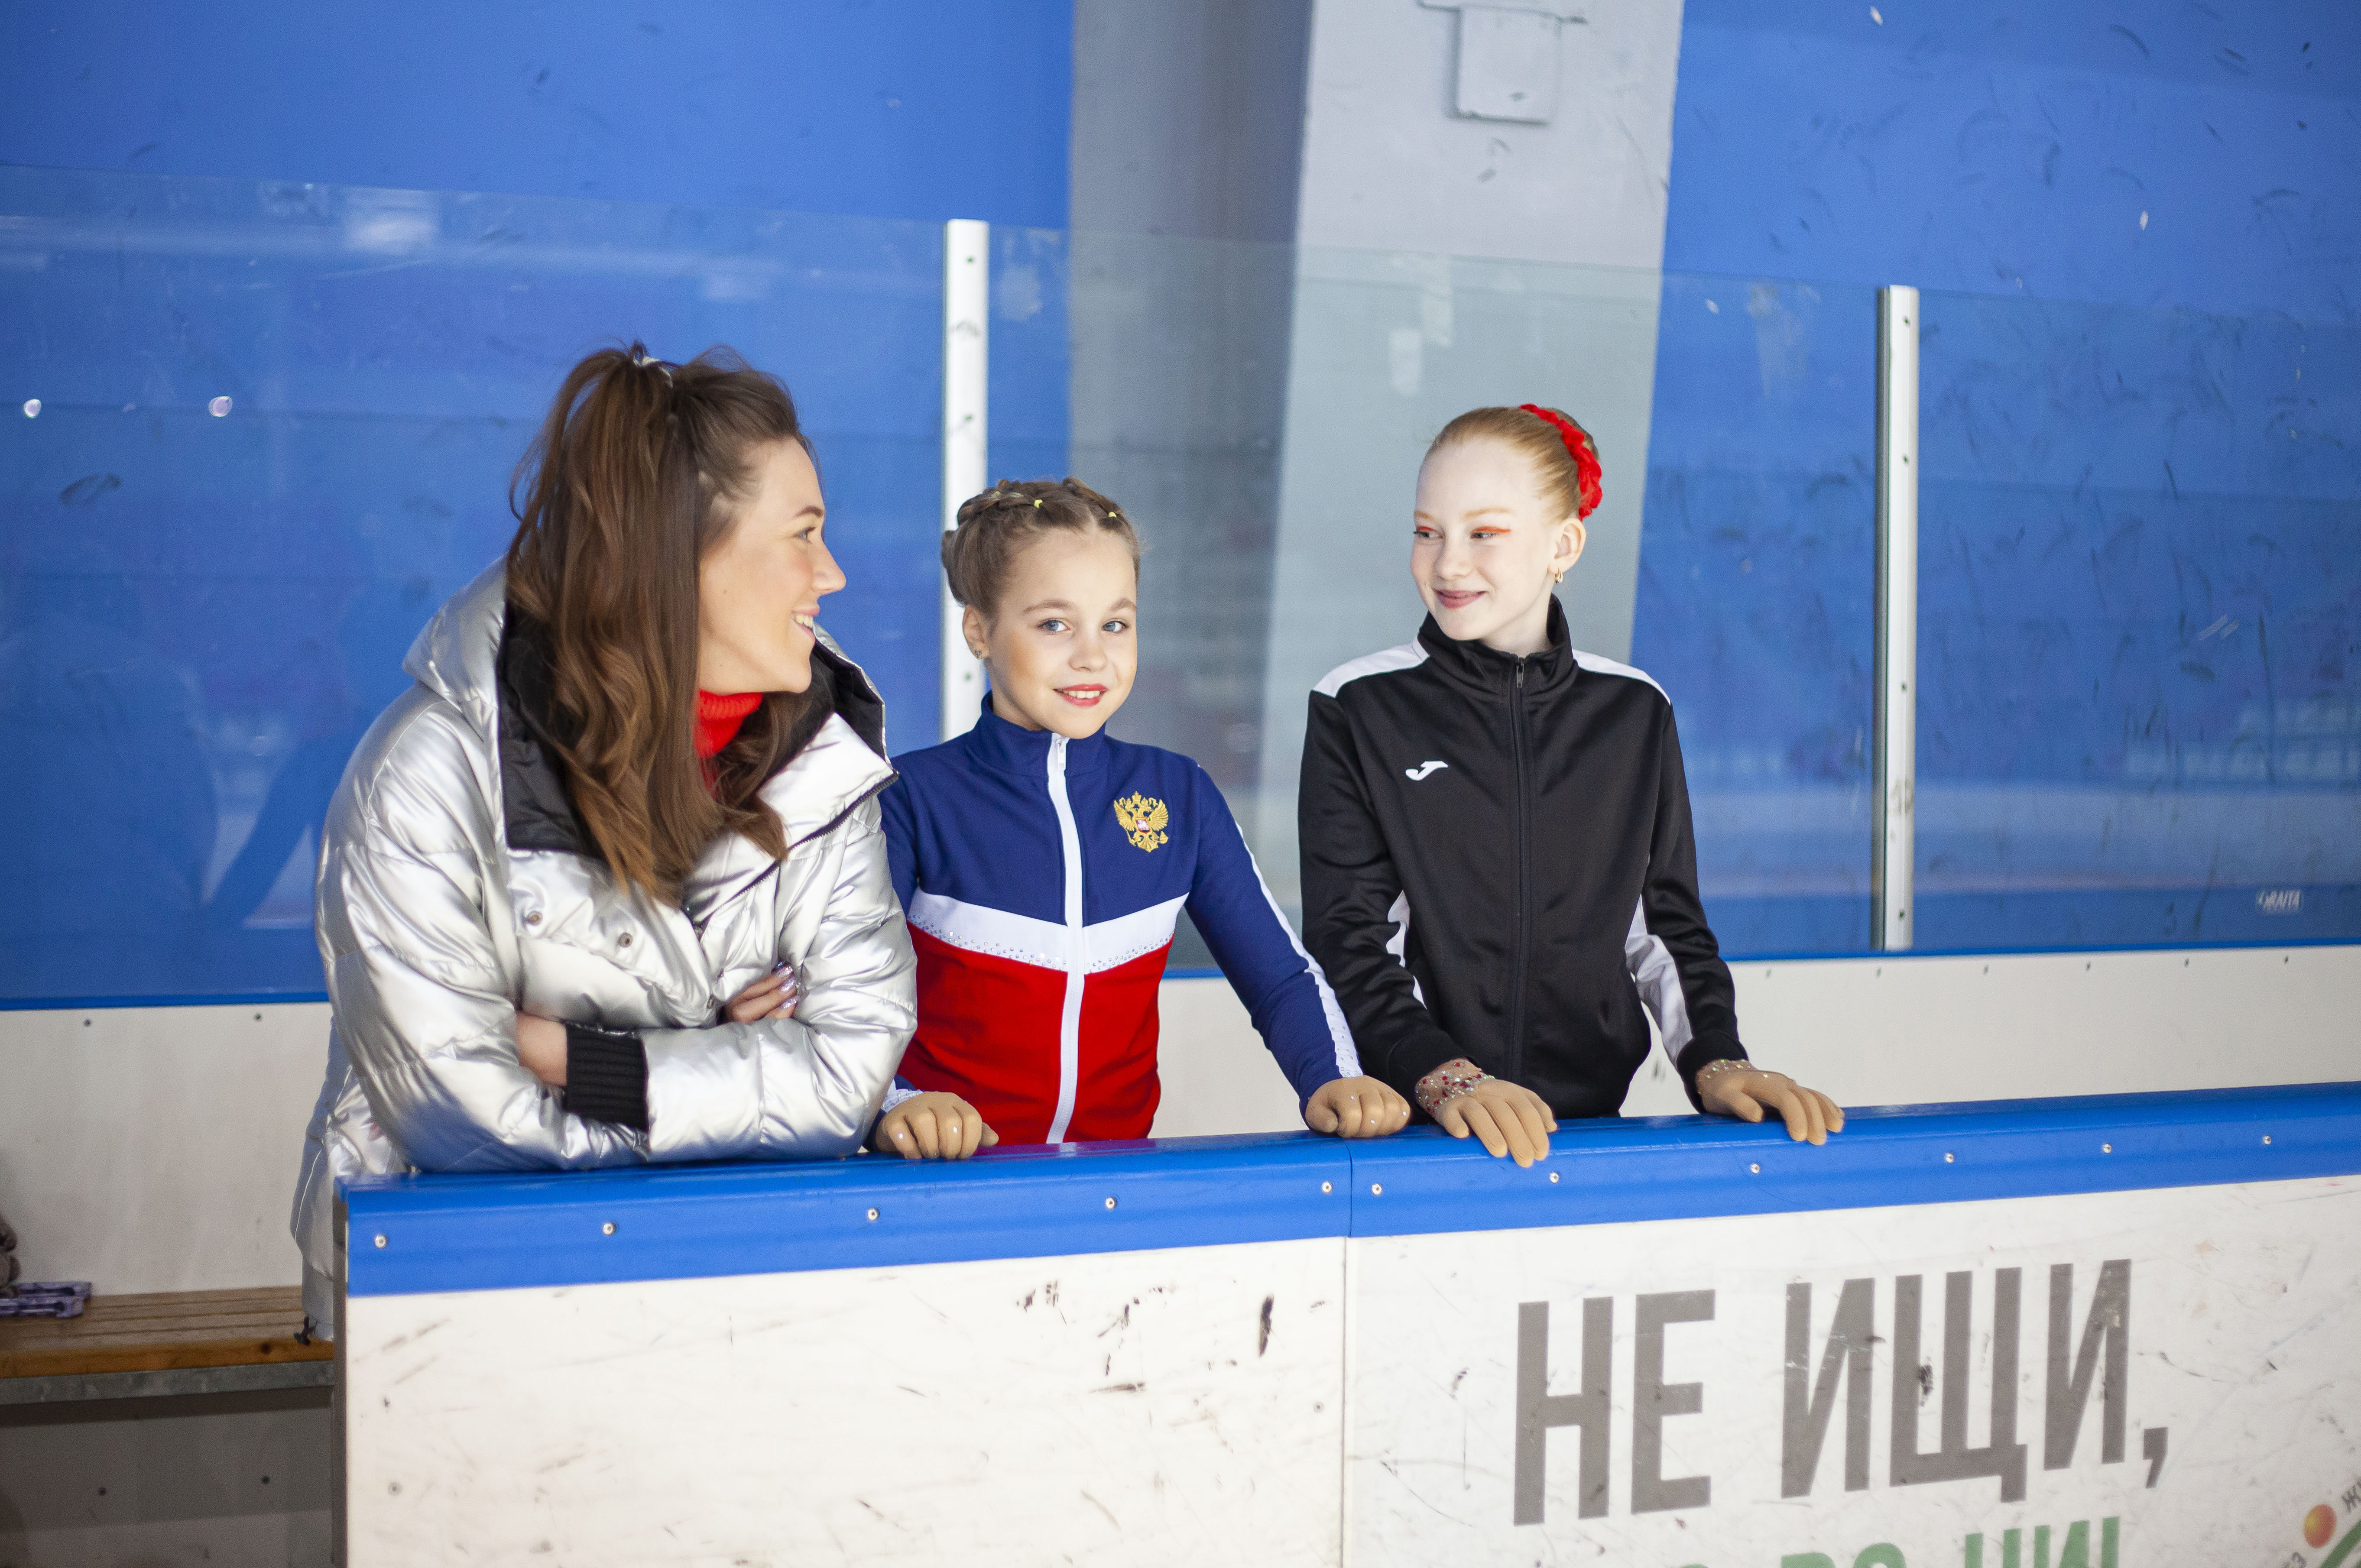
(1563, 454)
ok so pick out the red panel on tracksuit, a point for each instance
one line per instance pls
(1116, 1089)
(988, 1031)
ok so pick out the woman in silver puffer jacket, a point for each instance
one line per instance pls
(564, 925)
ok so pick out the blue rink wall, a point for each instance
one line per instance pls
(2140, 546)
(931, 110)
(2141, 509)
(1678, 1341)
(203, 612)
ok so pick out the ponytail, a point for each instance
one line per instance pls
(639, 469)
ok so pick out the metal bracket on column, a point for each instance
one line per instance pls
(1507, 67)
(967, 244)
(1894, 850)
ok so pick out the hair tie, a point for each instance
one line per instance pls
(1581, 448)
(642, 359)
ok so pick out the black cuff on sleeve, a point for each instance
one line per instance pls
(1701, 1050)
(607, 1076)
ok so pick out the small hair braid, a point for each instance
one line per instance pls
(995, 525)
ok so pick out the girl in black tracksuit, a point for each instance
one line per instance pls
(1499, 871)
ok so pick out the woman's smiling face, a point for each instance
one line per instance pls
(1062, 645)
(759, 585)
(1486, 547)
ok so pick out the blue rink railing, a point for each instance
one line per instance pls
(430, 1233)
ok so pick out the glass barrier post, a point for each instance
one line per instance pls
(1894, 845)
(966, 316)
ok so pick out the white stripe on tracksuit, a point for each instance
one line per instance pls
(1070, 1022)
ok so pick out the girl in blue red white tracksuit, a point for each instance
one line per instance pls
(1043, 864)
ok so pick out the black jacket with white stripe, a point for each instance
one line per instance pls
(1498, 865)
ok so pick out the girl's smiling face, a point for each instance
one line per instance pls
(1062, 645)
(1488, 546)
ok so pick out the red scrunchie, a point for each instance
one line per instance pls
(1581, 448)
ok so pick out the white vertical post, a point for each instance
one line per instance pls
(966, 319)
(1895, 849)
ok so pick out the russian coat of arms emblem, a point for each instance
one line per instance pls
(1144, 818)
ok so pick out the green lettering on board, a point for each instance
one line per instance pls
(2074, 1552)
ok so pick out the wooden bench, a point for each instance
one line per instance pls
(186, 1342)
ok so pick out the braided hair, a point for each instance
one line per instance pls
(994, 528)
(1564, 455)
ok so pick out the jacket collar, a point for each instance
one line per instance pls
(1013, 748)
(1493, 672)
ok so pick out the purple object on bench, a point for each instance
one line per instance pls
(46, 1298)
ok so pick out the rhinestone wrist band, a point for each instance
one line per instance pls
(1447, 1084)
(1714, 1069)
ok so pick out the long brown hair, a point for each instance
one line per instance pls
(639, 470)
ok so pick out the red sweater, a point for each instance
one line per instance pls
(718, 718)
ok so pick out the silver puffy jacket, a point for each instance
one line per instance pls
(435, 932)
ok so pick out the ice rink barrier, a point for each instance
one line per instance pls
(2064, 1334)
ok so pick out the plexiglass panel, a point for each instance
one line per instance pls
(1263, 411)
(2138, 603)
(255, 433)
(2139, 613)
(1757, 596)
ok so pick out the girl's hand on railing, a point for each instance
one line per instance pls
(933, 1126)
(1745, 1092)
(1356, 1108)
(772, 996)
(1506, 1118)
